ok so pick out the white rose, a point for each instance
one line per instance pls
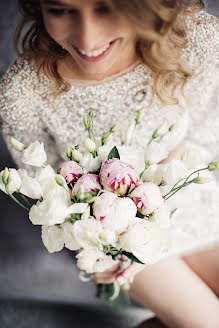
(155, 153)
(132, 156)
(90, 163)
(149, 173)
(30, 186)
(161, 216)
(145, 241)
(52, 210)
(93, 260)
(191, 158)
(87, 232)
(69, 237)
(115, 213)
(34, 154)
(53, 238)
(15, 183)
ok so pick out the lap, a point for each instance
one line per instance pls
(176, 294)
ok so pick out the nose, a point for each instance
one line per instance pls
(89, 33)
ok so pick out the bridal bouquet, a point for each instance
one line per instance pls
(107, 200)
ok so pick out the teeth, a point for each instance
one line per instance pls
(94, 53)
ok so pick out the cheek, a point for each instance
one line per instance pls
(57, 30)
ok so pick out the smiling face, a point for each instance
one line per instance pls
(99, 42)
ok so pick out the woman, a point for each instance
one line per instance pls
(117, 56)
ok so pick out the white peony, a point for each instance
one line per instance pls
(145, 240)
(115, 213)
(89, 163)
(53, 238)
(132, 156)
(69, 237)
(93, 260)
(30, 186)
(15, 183)
(155, 153)
(108, 237)
(34, 154)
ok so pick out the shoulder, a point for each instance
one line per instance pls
(203, 40)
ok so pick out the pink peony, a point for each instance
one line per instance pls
(71, 171)
(114, 212)
(88, 184)
(118, 176)
(147, 198)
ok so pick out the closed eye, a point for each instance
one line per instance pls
(61, 12)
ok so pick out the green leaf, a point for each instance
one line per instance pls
(139, 215)
(132, 257)
(114, 153)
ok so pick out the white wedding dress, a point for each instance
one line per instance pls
(27, 112)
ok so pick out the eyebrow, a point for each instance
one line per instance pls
(53, 2)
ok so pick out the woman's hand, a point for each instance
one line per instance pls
(115, 273)
(129, 273)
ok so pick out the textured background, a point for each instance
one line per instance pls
(38, 289)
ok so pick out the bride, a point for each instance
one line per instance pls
(117, 56)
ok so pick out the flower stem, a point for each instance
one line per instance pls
(26, 200)
(15, 199)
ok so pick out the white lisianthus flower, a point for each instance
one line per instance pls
(52, 210)
(191, 158)
(30, 186)
(90, 145)
(103, 151)
(115, 213)
(155, 153)
(89, 163)
(132, 156)
(145, 240)
(175, 171)
(15, 181)
(149, 173)
(69, 237)
(161, 216)
(163, 128)
(87, 233)
(53, 238)
(93, 260)
(160, 174)
(34, 154)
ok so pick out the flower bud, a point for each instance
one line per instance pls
(114, 128)
(90, 145)
(172, 127)
(59, 181)
(77, 155)
(139, 115)
(86, 122)
(161, 130)
(6, 176)
(18, 145)
(91, 113)
(69, 152)
(201, 180)
(213, 166)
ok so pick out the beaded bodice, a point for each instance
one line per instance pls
(28, 111)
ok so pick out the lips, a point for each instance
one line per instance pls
(97, 58)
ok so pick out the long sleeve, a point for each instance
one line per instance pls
(20, 116)
(202, 90)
